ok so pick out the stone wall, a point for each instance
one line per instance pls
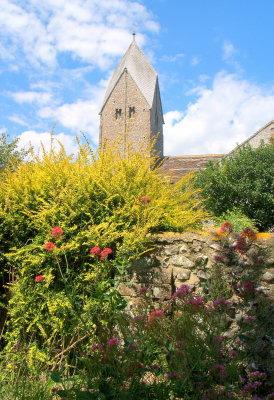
(189, 258)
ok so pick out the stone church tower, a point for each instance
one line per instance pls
(132, 110)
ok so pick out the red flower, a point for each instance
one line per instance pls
(226, 227)
(95, 251)
(155, 315)
(144, 200)
(104, 253)
(249, 233)
(50, 246)
(39, 278)
(57, 232)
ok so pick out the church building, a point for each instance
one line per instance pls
(132, 111)
(132, 116)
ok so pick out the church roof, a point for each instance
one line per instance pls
(140, 70)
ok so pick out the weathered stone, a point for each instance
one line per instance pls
(196, 246)
(171, 250)
(201, 260)
(181, 260)
(215, 246)
(268, 276)
(162, 292)
(202, 275)
(181, 274)
(184, 248)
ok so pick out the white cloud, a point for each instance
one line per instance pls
(228, 50)
(31, 97)
(93, 31)
(195, 61)
(18, 120)
(37, 139)
(222, 116)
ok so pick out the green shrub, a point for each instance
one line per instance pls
(60, 295)
(237, 218)
(245, 181)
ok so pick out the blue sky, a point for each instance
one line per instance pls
(215, 61)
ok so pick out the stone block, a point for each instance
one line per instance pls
(162, 292)
(181, 261)
(202, 275)
(181, 274)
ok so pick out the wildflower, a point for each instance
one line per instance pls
(173, 375)
(249, 234)
(220, 302)
(95, 251)
(180, 343)
(226, 227)
(219, 257)
(249, 319)
(96, 346)
(220, 370)
(241, 244)
(248, 289)
(270, 396)
(258, 375)
(251, 387)
(49, 246)
(155, 315)
(57, 232)
(196, 301)
(112, 342)
(181, 292)
(142, 290)
(39, 278)
(104, 253)
(232, 353)
(144, 200)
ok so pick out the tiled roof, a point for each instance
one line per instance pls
(176, 167)
(140, 70)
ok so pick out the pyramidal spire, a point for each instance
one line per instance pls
(140, 69)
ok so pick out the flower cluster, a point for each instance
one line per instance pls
(50, 246)
(57, 232)
(155, 315)
(220, 302)
(249, 234)
(226, 227)
(181, 292)
(144, 200)
(142, 290)
(98, 252)
(39, 278)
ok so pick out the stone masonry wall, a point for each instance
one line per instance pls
(189, 259)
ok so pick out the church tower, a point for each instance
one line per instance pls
(132, 110)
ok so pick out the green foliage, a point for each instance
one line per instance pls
(96, 200)
(243, 180)
(237, 218)
(10, 155)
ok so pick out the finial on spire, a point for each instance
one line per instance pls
(133, 34)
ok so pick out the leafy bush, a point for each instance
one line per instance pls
(237, 218)
(243, 180)
(10, 155)
(54, 210)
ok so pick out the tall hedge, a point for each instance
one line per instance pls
(58, 292)
(244, 181)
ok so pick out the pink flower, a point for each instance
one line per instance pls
(138, 318)
(241, 244)
(226, 227)
(220, 370)
(104, 253)
(49, 246)
(181, 292)
(180, 343)
(221, 302)
(96, 346)
(258, 375)
(232, 353)
(57, 232)
(173, 375)
(142, 290)
(112, 342)
(196, 301)
(155, 315)
(219, 257)
(249, 319)
(39, 278)
(95, 251)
